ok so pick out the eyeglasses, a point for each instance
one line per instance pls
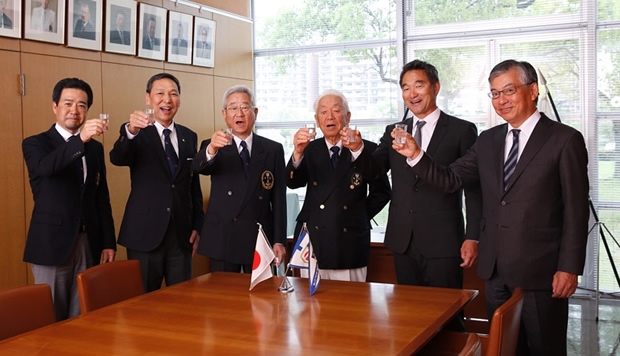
(494, 94)
(245, 109)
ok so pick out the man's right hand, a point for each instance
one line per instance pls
(409, 149)
(137, 120)
(301, 139)
(218, 140)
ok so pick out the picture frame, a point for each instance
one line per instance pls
(180, 37)
(120, 28)
(152, 32)
(204, 42)
(10, 18)
(85, 24)
(44, 20)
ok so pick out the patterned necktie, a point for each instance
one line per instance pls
(245, 157)
(418, 132)
(335, 150)
(171, 155)
(511, 161)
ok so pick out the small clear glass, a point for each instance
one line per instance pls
(401, 133)
(106, 120)
(351, 133)
(150, 113)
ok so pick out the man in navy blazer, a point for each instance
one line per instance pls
(338, 205)
(534, 229)
(163, 215)
(244, 191)
(71, 227)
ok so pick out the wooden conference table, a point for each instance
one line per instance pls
(215, 314)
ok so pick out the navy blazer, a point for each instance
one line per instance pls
(61, 201)
(236, 204)
(539, 224)
(338, 205)
(156, 197)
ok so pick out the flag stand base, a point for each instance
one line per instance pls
(286, 286)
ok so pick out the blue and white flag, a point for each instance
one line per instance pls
(304, 258)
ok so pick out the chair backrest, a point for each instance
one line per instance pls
(505, 325)
(472, 347)
(109, 283)
(25, 308)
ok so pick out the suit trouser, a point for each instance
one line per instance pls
(544, 320)
(63, 279)
(168, 261)
(223, 266)
(412, 268)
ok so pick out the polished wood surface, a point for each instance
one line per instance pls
(216, 314)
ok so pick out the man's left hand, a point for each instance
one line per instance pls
(469, 253)
(194, 239)
(564, 284)
(107, 255)
(280, 251)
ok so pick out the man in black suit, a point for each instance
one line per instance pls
(164, 211)
(71, 227)
(149, 41)
(248, 185)
(534, 179)
(203, 46)
(425, 228)
(179, 44)
(118, 35)
(338, 205)
(83, 26)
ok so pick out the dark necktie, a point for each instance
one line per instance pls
(511, 161)
(171, 155)
(245, 157)
(120, 34)
(418, 132)
(335, 150)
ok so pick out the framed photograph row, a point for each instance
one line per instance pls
(155, 32)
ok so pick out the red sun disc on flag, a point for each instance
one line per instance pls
(256, 262)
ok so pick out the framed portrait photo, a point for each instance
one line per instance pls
(180, 30)
(204, 42)
(85, 24)
(44, 20)
(120, 25)
(10, 18)
(152, 32)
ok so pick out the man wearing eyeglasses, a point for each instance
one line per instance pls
(533, 173)
(248, 185)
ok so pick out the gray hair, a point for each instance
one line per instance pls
(334, 92)
(237, 89)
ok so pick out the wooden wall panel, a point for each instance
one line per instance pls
(234, 48)
(12, 209)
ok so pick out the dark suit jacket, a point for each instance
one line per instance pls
(6, 21)
(539, 225)
(427, 217)
(156, 197)
(236, 204)
(115, 37)
(338, 206)
(60, 200)
(84, 31)
(147, 44)
(179, 46)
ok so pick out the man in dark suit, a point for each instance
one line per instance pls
(425, 228)
(248, 185)
(118, 35)
(164, 211)
(338, 205)
(83, 26)
(71, 227)
(179, 44)
(149, 41)
(533, 173)
(203, 46)
(5, 21)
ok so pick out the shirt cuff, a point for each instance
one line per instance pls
(413, 161)
(357, 153)
(130, 136)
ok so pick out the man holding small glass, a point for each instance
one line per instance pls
(247, 187)
(339, 203)
(163, 215)
(72, 226)
(425, 228)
